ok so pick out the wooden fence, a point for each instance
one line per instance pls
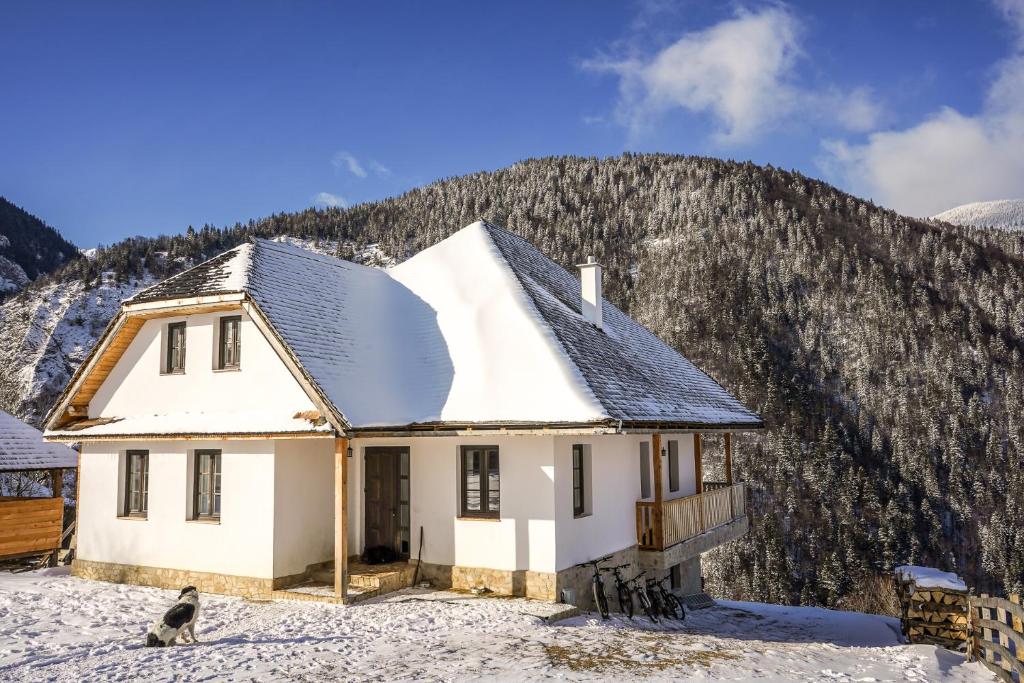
(30, 525)
(997, 635)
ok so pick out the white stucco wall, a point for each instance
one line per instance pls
(524, 537)
(136, 386)
(240, 544)
(303, 504)
(614, 490)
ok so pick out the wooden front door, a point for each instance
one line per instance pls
(387, 498)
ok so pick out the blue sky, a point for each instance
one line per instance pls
(137, 118)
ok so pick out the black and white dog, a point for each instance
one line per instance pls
(178, 619)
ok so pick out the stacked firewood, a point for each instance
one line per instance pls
(934, 616)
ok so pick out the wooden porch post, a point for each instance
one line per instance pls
(57, 482)
(659, 529)
(341, 518)
(728, 458)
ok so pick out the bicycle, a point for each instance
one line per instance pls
(667, 603)
(622, 590)
(643, 597)
(597, 585)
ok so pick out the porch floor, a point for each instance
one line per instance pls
(364, 581)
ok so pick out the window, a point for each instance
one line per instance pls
(481, 490)
(673, 466)
(645, 470)
(175, 348)
(206, 488)
(136, 484)
(580, 480)
(229, 342)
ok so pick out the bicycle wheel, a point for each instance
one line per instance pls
(671, 608)
(625, 600)
(645, 602)
(600, 599)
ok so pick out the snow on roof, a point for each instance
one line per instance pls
(195, 424)
(22, 448)
(929, 577)
(479, 328)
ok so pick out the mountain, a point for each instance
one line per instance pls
(28, 248)
(1007, 214)
(885, 353)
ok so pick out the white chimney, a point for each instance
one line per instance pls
(590, 289)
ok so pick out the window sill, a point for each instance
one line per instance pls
(164, 373)
(203, 521)
(471, 518)
(234, 369)
(134, 518)
(583, 515)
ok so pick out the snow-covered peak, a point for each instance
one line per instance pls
(1007, 214)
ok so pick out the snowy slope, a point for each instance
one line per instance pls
(57, 628)
(1007, 214)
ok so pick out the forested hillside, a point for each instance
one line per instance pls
(28, 248)
(884, 353)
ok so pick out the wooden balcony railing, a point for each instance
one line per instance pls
(685, 518)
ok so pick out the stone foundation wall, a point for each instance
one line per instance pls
(159, 577)
(580, 580)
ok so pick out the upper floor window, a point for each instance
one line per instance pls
(175, 361)
(136, 484)
(230, 346)
(480, 482)
(645, 470)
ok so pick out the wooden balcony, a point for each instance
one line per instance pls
(681, 519)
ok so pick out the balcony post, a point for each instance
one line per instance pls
(659, 512)
(698, 474)
(728, 458)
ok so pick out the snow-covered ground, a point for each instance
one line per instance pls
(56, 627)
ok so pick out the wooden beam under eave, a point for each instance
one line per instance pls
(341, 519)
(57, 482)
(728, 458)
(659, 494)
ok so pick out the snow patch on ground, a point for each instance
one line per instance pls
(56, 627)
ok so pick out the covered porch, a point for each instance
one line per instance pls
(663, 523)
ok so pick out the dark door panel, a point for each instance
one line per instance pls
(386, 499)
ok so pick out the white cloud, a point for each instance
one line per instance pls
(331, 200)
(347, 160)
(379, 168)
(949, 158)
(741, 71)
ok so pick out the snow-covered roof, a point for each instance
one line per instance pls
(22, 448)
(479, 328)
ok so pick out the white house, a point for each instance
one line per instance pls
(250, 421)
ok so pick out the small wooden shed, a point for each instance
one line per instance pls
(31, 525)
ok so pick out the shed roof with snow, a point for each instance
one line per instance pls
(479, 329)
(22, 448)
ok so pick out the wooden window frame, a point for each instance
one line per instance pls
(579, 474)
(485, 511)
(143, 511)
(215, 484)
(169, 368)
(222, 347)
(673, 467)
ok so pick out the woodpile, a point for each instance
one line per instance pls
(934, 616)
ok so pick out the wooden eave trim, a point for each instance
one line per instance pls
(195, 436)
(71, 390)
(39, 469)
